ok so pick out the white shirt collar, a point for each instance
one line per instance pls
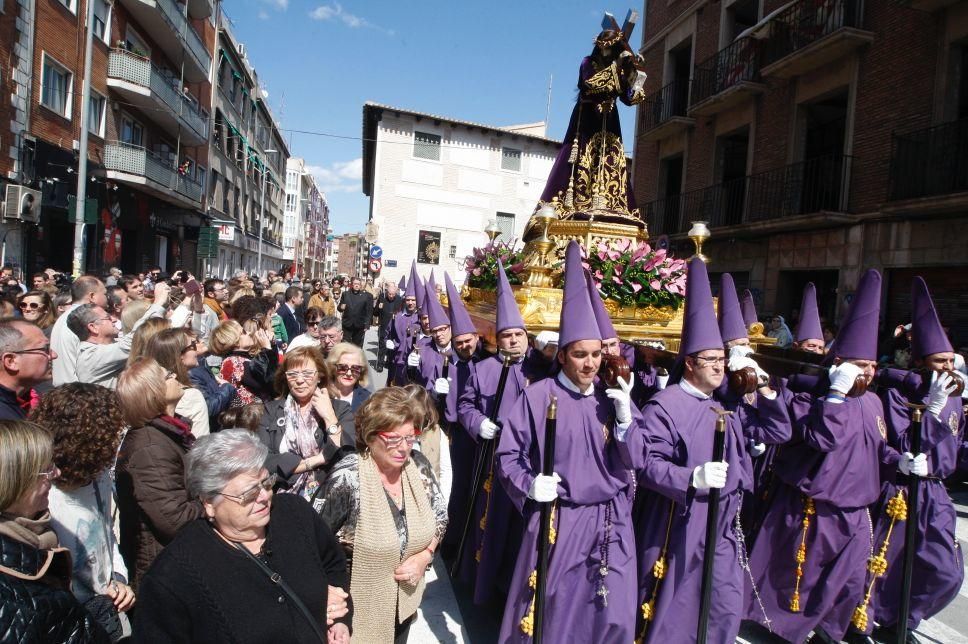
(570, 386)
(692, 391)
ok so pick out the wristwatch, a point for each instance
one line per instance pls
(333, 429)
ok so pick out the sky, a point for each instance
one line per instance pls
(484, 61)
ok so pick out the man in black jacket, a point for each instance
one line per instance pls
(294, 300)
(25, 360)
(388, 304)
(356, 306)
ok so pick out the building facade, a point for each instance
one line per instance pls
(306, 221)
(352, 256)
(435, 184)
(818, 139)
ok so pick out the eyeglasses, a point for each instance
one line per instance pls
(356, 370)
(709, 360)
(392, 440)
(329, 336)
(170, 375)
(312, 324)
(191, 347)
(33, 306)
(44, 350)
(50, 473)
(250, 495)
(303, 374)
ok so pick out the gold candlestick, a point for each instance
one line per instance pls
(699, 233)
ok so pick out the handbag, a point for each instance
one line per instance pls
(277, 579)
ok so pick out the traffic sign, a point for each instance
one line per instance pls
(375, 265)
(376, 252)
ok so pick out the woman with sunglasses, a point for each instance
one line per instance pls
(153, 502)
(351, 374)
(385, 505)
(311, 337)
(177, 351)
(305, 428)
(227, 576)
(37, 307)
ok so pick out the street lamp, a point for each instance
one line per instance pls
(262, 213)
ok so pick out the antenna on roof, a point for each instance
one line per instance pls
(551, 79)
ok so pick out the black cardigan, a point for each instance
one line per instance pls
(201, 589)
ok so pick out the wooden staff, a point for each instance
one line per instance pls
(484, 458)
(911, 529)
(712, 523)
(545, 519)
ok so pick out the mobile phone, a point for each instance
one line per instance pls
(192, 287)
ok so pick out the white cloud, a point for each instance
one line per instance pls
(339, 176)
(263, 15)
(334, 11)
(281, 5)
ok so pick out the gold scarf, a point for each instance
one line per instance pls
(376, 553)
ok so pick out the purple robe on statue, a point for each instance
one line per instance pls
(592, 516)
(834, 459)
(938, 561)
(404, 341)
(678, 433)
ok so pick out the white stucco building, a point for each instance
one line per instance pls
(435, 183)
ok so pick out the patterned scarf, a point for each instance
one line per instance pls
(300, 438)
(217, 308)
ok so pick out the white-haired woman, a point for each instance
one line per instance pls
(227, 577)
(352, 380)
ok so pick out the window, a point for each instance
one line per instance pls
(58, 83)
(426, 146)
(135, 43)
(505, 221)
(511, 159)
(132, 132)
(70, 4)
(227, 199)
(218, 131)
(95, 114)
(102, 15)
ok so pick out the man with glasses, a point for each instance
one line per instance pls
(330, 334)
(311, 337)
(85, 290)
(26, 359)
(100, 357)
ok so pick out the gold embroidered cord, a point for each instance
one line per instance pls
(801, 556)
(877, 565)
(659, 569)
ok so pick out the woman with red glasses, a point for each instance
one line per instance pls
(352, 375)
(37, 307)
(385, 506)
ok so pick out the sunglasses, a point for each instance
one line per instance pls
(250, 495)
(33, 306)
(393, 441)
(191, 347)
(50, 473)
(312, 324)
(356, 370)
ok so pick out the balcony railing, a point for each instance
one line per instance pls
(176, 18)
(808, 21)
(135, 160)
(815, 185)
(670, 101)
(734, 64)
(138, 70)
(930, 162)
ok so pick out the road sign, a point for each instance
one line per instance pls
(376, 252)
(390, 263)
(375, 265)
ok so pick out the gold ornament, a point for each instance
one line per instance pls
(801, 555)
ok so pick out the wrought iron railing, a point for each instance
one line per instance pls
(179, 23)
(806, 22)
(815, 185)
(738, 62)
(136, 160)
(672, 100)
(930, 162)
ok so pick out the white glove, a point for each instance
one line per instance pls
(488, 429)
(737, 362)
(442, 386)
(655, 344)
(710, 475)
(842, 376)
(757, 450)
(413, 360)
(911, 464)
(942, 384)
(740, 351)
(391, 345)
(662, 381)
(622, 399)
(544, 489)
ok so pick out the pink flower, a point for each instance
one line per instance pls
(517, 268)
(655, 284)
(477, 272)
(602, 247)
(602, 255)
(664, 272)
(652, 263)
(614, 254)
(636, 287)
(586, 266)
(618, 269)
(598, 275)
(641, 252)
(616, 279)
(623, 244)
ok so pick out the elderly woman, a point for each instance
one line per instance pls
(387, 510)
(304, 428)
(780, 331)
(153, 502)
(86, 424)
(177, 351)
(257, 568)
(36, 604)
(37, 307)
(351, 374)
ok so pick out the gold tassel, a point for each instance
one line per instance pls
(552, 532)
(877, 565)
(659, 569)
(527, 622)
(801, 556)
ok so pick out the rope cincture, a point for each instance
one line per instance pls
(809, 509)
(659, 569)
(877, 565)
(527, 622)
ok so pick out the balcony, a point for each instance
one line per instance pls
(664, 113)
(808, 194)
(930, 5)
(145, 86)
(929, 168)
(812, 33)
(726, 79)
(199, 9)
(165, 20)
(136, 166)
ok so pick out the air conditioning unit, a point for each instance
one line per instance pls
(22, 204)
(242, 50)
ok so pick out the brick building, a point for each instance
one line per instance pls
(818, 139)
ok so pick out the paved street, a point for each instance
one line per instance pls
(448, 615)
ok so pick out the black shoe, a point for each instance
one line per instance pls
(379, 368)
(855, 637)
(888, 635)
(820, 637)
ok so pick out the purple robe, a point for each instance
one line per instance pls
(834, 458)
(938, 561)
(595, 491)
(678, 435)
(404, 341)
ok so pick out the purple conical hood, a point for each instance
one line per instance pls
(413, 282)
(578, 320)
(460, 321)
(748, 307)
(857, 338)
(731, 323)
(508, 315)
(420, 292)
(808, 327)
(927, 336)
(601, 315)
(433, 308)
(700, 330)
(403, 283)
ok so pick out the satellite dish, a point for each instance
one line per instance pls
(662, 242)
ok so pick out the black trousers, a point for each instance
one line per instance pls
(354, 335)
(381, 349)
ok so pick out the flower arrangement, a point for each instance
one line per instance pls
(481, 266)
(636, 274)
